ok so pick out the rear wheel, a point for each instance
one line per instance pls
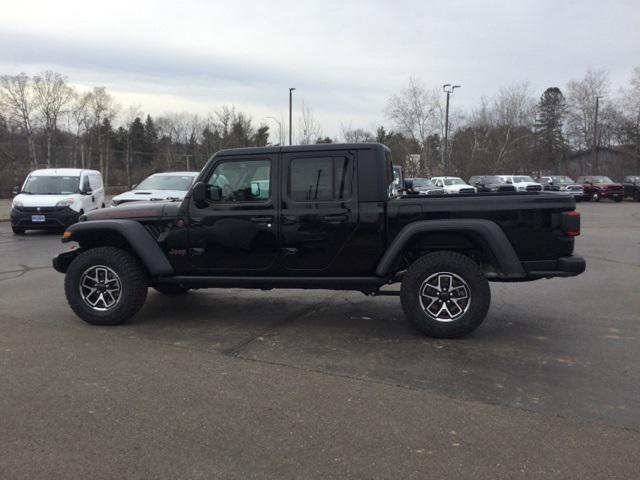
(105, 286)
(17, 230)
(617, 199)
(445, 295)
(595, 197)
(636, 195)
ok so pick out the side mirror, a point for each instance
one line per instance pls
(15, 191)
(87, 192)
(199, 194)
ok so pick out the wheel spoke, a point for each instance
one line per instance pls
(100, 287)
(444, 296)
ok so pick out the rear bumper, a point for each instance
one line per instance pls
(52, 219)
(562, 267)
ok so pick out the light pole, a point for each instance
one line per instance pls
(448, 88)
(595, 139)
(280, 139)
(290, 114)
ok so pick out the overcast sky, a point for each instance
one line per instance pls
(344, 57)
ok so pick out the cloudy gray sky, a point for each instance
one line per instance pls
(344, 57)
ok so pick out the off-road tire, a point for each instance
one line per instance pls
(445, 262)
(17, 230)
(132, 277)
(170, 289)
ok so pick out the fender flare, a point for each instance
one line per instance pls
(496, 240)
(142, 243)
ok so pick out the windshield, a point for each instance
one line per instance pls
(166, 182)
(522, 178)
(601, 180)
(51, 185)
(422, 182)
(493, 179)
(453, 181)
(562, 180)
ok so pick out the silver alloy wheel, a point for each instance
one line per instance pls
(444, 296)
(595, 196)
(100, 288)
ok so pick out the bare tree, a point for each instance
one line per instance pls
(102, 106)
(356, 135)
(309, 128)
(630, 112)
(18, 98)
(52, 94)
(81, 119)
(581, 101)
(417, 113)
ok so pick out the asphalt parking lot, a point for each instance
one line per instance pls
(294, 384)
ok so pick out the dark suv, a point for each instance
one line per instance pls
(631, 186)
(490, 183)
(319, 216)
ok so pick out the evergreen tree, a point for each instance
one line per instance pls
(550, 141)
(150, 136)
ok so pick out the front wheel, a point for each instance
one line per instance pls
(636, 195)
(617, 199)
(105, 286)
(17, 230)
(595, 197)
(445, 295)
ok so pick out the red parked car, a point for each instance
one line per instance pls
(597, 187)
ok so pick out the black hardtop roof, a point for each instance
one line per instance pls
(300, 148)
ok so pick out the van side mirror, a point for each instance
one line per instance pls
(15, 191)
(88, 191)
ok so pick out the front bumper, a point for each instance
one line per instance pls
(54, 218)
(62, 261)
(562, 267)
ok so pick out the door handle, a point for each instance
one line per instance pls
(288, 220)
(264, 219)
(335, 219)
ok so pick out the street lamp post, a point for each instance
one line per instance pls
(280, 138)
(290, 114)
(448, 88)
(595, 167)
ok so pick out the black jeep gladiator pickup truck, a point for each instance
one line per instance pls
(319, 217)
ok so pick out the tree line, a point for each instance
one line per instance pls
(44, 121)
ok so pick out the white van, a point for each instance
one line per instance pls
(54, 198)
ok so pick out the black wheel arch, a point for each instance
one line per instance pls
(481, 239)
(125, 234)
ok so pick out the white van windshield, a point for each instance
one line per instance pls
(51, 185)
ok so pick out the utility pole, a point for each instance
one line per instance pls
(448, 88)
(290, 115)
(595, 139)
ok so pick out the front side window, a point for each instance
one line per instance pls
(51, 185)
(453, 181)
(240, 181)
(523, 179)
(320, 179)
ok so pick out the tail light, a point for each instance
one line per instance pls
(570, 223)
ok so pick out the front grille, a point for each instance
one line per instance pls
(40, 209)
(466, 190)
(534, 188)
(506, 188)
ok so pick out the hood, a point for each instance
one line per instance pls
(608, 185)
(142, 195)
(455, 188)
(136, 210)
(29, 200)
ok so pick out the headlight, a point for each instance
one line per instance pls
(17, 203)
(114, 203)
(65, 203)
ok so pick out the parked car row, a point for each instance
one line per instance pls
(590, 187)
(54, 198)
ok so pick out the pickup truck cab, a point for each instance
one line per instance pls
(491, 183)
(319, 217)
(453, 185)
(54, 198)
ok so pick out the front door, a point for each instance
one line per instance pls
(236, 232)
(319, 208)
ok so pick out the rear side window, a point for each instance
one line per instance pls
(316, 179)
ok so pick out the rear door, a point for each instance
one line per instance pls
(319, 208)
